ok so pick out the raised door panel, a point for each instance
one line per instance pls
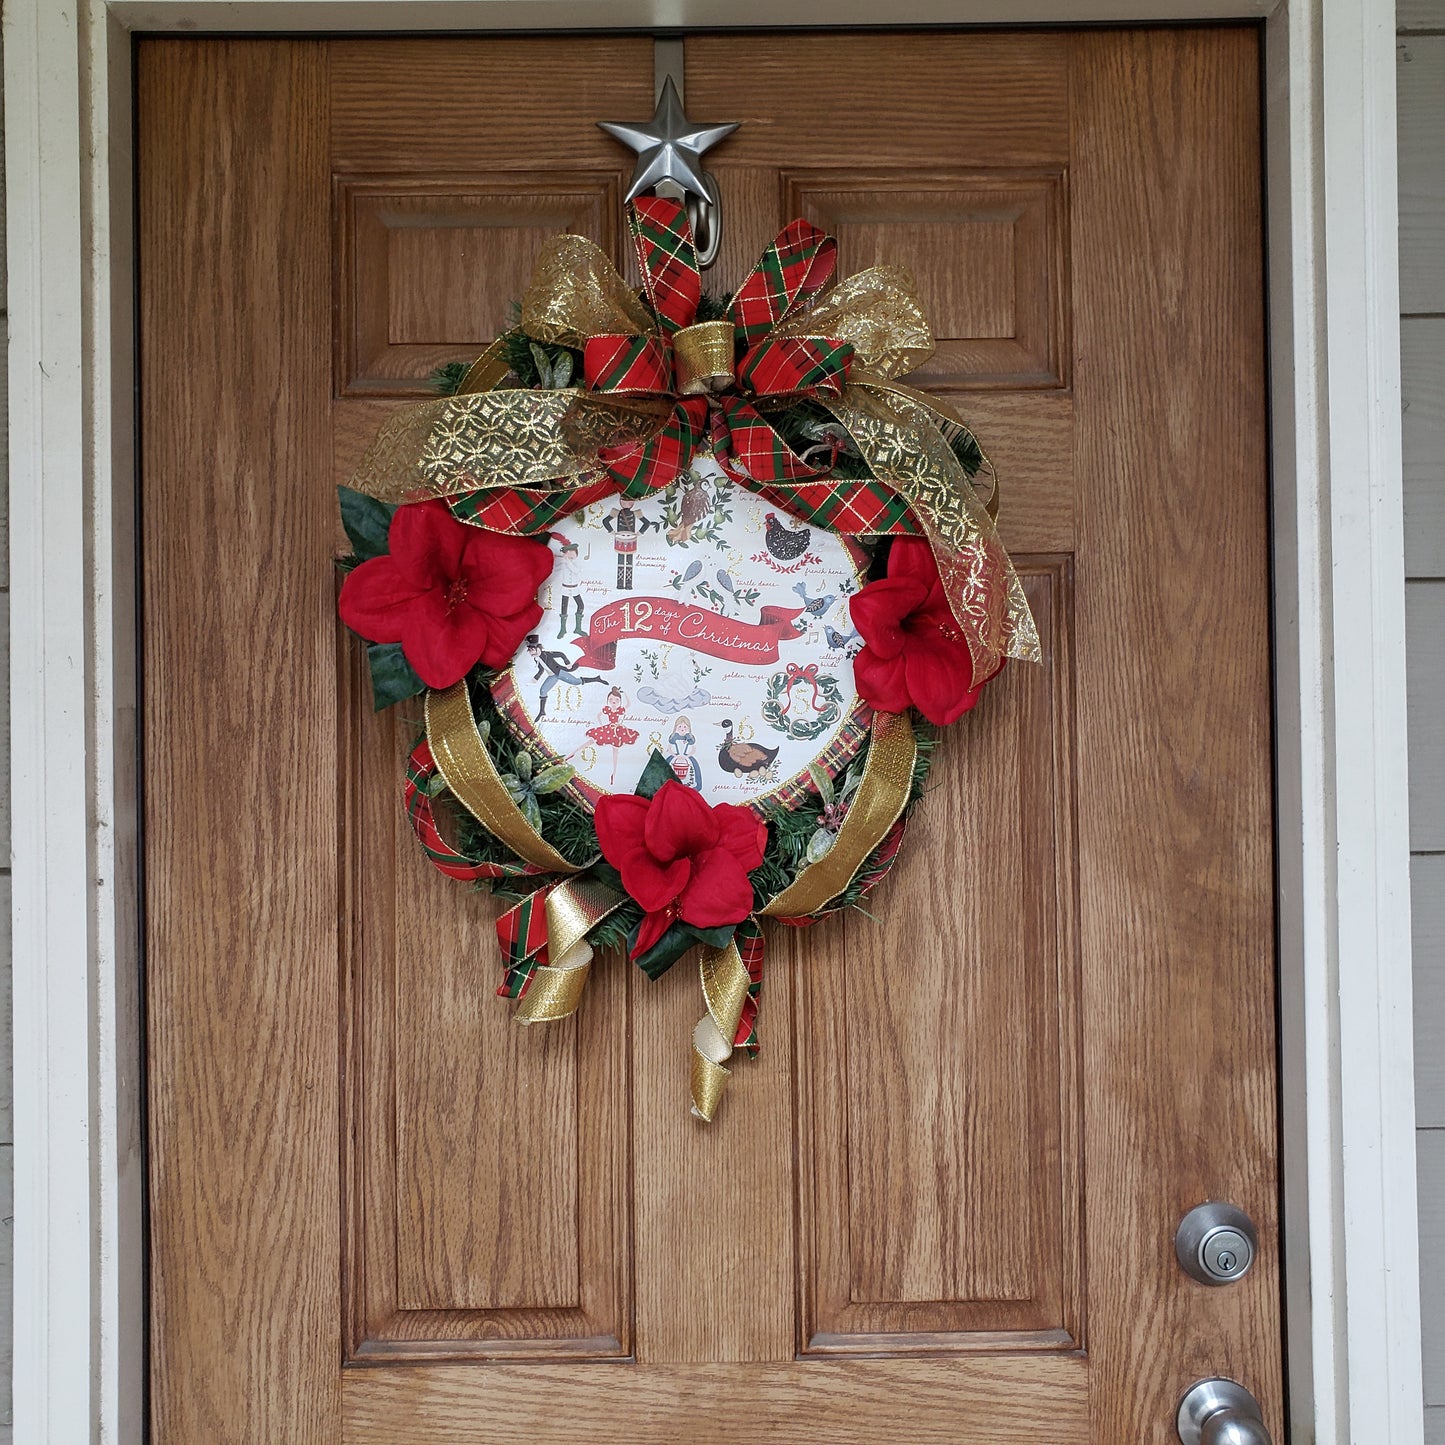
(938, 1052)
(428, 265)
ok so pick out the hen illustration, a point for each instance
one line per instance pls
(784, 543)
(741, 759)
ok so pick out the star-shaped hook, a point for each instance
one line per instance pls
(669, 148)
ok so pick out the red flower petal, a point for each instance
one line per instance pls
(375, 600)
(912, 558)
(507, 634)
(427, 542)
(882, 681)
(651, 929)
(718, 892)
(679, 823)
(880, 610)
(443, 643)
(509, 569)
(620, 820)
(742, 834)
(939, 678)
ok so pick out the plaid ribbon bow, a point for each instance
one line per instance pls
(693, 362)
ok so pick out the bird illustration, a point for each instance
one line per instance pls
(723, 580)
(696, 503)
(850, 645)
(743, 760)
(693, 568)
(814, 606)
(784, 543)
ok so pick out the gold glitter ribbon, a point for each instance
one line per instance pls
(876, 806)
(702, 357)
(574, 908)
(724, 988)
(900, 433)
(468, 771)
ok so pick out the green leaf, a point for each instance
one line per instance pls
(665, 952)
(822, 782)
(712, 937)
(820, 844)
(436, 786)
(850, 785)
(392, 677)
(604, 872)
(531, 812)
(553, 779)
(654, 775)
(562, 371)
(544, 367)
(367, 522)
(523, 764)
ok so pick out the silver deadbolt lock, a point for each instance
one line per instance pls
(1216, 1243)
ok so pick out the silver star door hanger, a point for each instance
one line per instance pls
(669, 163)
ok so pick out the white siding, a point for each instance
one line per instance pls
(1421, 72)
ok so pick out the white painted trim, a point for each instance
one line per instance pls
(1351, 1280)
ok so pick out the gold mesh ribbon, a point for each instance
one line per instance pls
(899, 434)
(468, 771)
(878, 313)
(724, 988)
(574, 907)
(876, 806)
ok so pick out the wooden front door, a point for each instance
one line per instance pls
(940, 1205)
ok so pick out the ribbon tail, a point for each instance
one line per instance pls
(729, 984)
(572, 910)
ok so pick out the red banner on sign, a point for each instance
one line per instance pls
(664, 619)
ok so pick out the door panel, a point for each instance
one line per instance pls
(939, 1205)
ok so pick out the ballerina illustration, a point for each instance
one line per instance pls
(611, 733)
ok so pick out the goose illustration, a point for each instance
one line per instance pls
(743, 760)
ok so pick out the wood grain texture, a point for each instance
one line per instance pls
(819, 99)
(1430, 1168)
(487, 1200)
(1422, 364)
(996, 1401)
(240, 831)
(1172, 587)
(503, 103)
(897, 1192)
(431, 265)
(1427, 920)
(987, 252)
(1425, 676)
(939, 1098)
(1420, 95)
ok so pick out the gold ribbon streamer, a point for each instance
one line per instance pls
(468, 771)
(876, 806)
(878, 313)
(724, 988)
(896, 431)
(574, 908)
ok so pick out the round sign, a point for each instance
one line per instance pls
(702, 622)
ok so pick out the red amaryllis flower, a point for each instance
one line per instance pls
(451, 594)
(914, 652)
(681, 858)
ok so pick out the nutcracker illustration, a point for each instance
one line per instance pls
(568, 577)
(625, 524)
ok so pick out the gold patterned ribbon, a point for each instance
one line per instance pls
(876, 806)
(574, 908)
(468, 771)
(724, 988)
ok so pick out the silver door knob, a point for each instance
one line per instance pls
(1220, 1412)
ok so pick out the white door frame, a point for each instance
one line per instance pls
(1352, 1306)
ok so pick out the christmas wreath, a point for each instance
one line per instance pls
(722, 507)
